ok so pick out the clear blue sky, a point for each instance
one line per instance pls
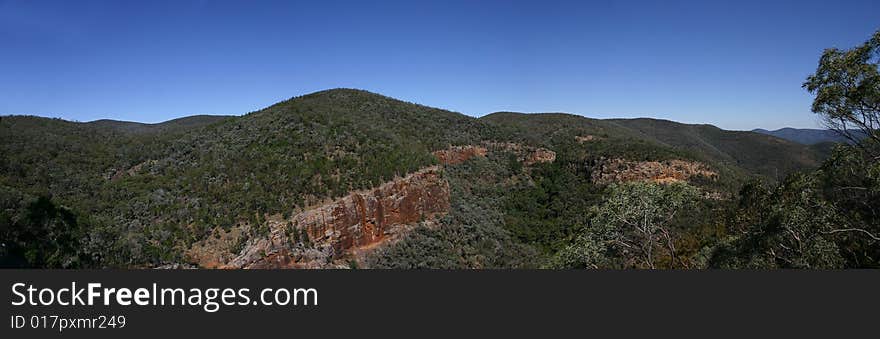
(738, 65)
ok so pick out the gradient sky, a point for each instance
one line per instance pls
(737, 65)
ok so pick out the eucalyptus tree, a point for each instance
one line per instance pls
(847, 89)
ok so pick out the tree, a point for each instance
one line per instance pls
(791, 226)
(634, 221)
(851, 182)
(46, 235)
(847, 89)
(588, 250)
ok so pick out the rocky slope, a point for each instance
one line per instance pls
(527, 155)
(345, 229)
(455, 155)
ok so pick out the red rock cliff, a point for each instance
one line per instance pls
(607, 171)
(458, 154)
(349, 227)
(527, 155)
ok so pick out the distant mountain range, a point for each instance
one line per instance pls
(174, 125)
(805, 136)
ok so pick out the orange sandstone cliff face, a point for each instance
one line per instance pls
(527, 155)
(337, 233)
(458, 154)
(607, 171)
(586, 138)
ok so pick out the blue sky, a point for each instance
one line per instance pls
(737, 64)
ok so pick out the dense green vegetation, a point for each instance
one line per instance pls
(824, 219)
(630, 228)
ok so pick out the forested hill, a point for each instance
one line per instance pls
(175, 125)
(165, 189)
(757, 153)
(752, 153)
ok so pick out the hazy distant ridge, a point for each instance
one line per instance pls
(805, 136)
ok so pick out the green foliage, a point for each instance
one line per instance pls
(588, 250)
(638, 216)
(851, 181)
(634, 223)
(791, 226)
(824, 219)
(549, 209)
(50, 236)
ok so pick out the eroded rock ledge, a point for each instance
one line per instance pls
(455, 155)
(606, 171)
(527, 155)
(334, 234)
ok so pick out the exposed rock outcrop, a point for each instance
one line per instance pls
(527, 155)
(346, 229)
(606, 171)
(586, 138)
(539, 155)
(220, 247)
(458, 154)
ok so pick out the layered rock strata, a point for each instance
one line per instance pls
(347, 228)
